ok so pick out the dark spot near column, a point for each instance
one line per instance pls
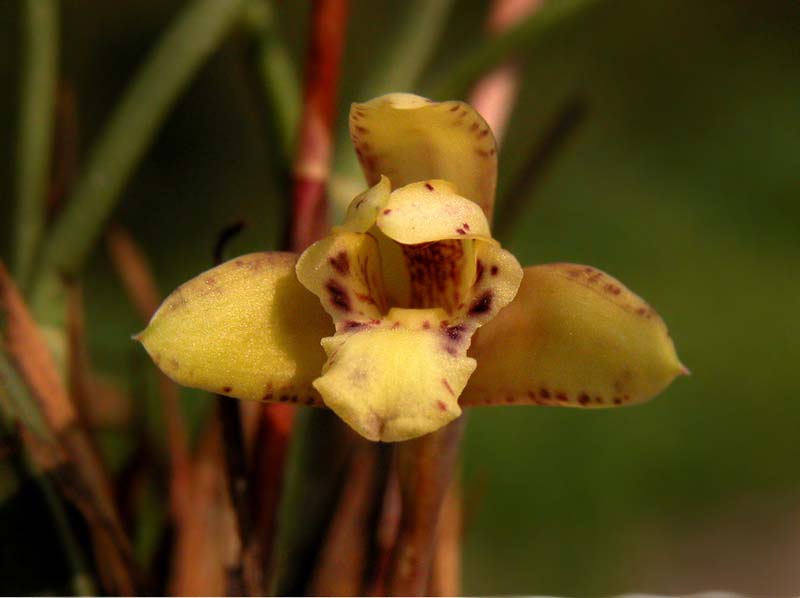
(465, 226)
(267, 397)
(598, 400)
(283, 399)
(341, 263)
(429, 187)
(226, 389)
(426, 325)
(353, 325)
(338, 296)
(310, 401)
(482, 304)
(474, 127)
(584, 399)
(441, 405)
(495, 270)
(544, 393)
(454, 108)
(461, 231)
(509, 399)
(387, 211)
(562, 397)
(483, 133)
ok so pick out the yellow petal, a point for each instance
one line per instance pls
(343, 270)
(574, 337)
(410, 139)
(363, 210)
(396, 379)
(246, 329)
(494, 284)
(430, 211)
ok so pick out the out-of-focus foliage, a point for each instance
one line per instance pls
(683, 181)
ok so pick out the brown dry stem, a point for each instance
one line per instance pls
(80, 472)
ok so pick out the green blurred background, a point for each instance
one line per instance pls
(682, 181)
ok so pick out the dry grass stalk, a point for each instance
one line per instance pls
(343, 559)
(446, 573)
(137, 278)
(80, 474)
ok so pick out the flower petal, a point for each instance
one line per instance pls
(344, 271)
(363, 210)
(245, 329)
(398, 378)
(429, 211)
(497, 276)
(574, 337)
(409, 138)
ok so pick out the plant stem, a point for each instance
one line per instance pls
(81, 582)
(569, 117)
(37, 101)
(277, 76)
(425, 468)
(193, 36)
(483, 57)
(312, 165)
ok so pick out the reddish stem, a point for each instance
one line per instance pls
(425, 468)
(312, 163)
(308, 223)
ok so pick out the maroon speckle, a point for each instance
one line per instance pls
(454, 108)
(283, 399)
(353, 325)
(461, 231)
(495, 270)
(483, 133)
(465, 226)
(340, 263)
(429, 187)
(447, 386)
(226, 389)
(441, 405)
(387, 211)
(426, 325)
(509, 399)
(562, 397)
(544, 393)
(584, 399)
(617, 401)
(474, 127)
(338, 296)
(482, 304)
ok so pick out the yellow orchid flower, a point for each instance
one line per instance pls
(379, 321)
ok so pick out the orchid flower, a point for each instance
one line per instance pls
(410, 311)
